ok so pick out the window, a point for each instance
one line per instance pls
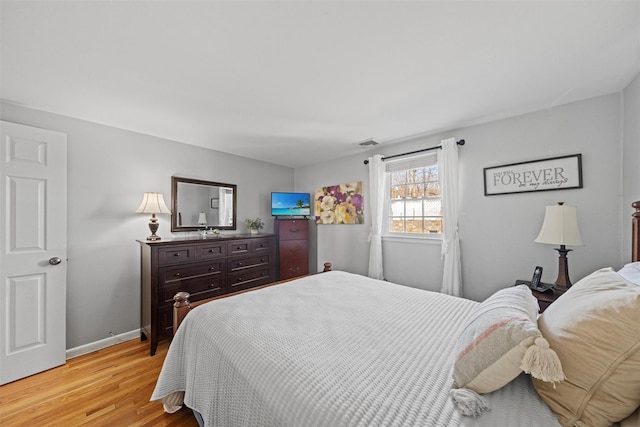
(414, 203)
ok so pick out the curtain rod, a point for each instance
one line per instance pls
(461, 142)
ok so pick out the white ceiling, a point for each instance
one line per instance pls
(297, 82)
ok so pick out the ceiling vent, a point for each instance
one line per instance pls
(368, 143)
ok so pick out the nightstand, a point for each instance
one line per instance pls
(544, 298)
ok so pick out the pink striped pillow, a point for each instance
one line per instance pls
(490, 350)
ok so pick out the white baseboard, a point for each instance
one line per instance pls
(107, 342)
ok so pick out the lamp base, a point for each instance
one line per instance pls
(563, 282)
(153, 226)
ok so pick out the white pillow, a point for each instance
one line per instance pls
(631, 272)
(595, 329)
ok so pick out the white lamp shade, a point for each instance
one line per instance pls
(560, 226)
(153, 203)
(202, 218)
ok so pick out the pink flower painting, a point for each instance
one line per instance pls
(340, 204)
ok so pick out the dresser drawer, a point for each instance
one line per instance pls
(250, 246)
(250, 278)
(262, 245)
(239, 264)
(176, 255)
(239, 247)
(293, 229)
(212, 250)
(293, 268)
(173, 274)
(294, 249)
(199, 288)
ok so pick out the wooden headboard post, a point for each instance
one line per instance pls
(635, 240)
(181, 307)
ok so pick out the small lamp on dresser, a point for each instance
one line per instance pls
(560, 227)
(202, 222)
(153, 203)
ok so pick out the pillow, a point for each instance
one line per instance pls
(500, 340)
(631, 272)
(632, 421)
(595, 329)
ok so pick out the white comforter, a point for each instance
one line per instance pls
(334, 349)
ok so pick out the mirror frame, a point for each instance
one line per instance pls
(175, 180)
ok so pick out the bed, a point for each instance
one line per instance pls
(339, 349)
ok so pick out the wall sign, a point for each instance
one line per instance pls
(555, 173)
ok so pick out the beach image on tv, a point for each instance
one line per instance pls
(290, 204)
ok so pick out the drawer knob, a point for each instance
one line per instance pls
(178, 274)
(211, 251)
(212, 285)
(238, 248)
(176, 254)
(238, 264)
(239, 279)
(261, 259)
(212, 269)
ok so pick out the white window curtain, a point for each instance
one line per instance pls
(448, 170)
(377, 190)
(225, 204)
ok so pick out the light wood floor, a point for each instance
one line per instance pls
(110, 387)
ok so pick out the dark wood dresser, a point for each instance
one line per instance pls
(293, 247)
(203, 267)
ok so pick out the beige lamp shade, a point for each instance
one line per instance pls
(202, 218)
(153, 203)
(560, 226)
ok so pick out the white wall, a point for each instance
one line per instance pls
(108, 170)
(631, 159)
(497, 232)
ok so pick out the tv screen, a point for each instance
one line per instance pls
(290, 204)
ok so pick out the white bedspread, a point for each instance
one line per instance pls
(334, 349)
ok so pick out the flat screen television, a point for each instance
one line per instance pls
(290, 204)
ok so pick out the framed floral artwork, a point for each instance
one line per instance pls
(340, 204)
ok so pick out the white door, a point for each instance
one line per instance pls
(33, 250)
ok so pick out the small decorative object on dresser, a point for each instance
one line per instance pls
(254, 225)
(203, 267)
(293, 247)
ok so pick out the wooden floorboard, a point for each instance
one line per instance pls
(109, 387)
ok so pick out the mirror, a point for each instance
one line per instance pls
(196, 204)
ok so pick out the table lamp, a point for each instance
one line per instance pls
(153, 203)
(560, 227)
(202, 219)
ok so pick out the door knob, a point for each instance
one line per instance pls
(55, 260)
